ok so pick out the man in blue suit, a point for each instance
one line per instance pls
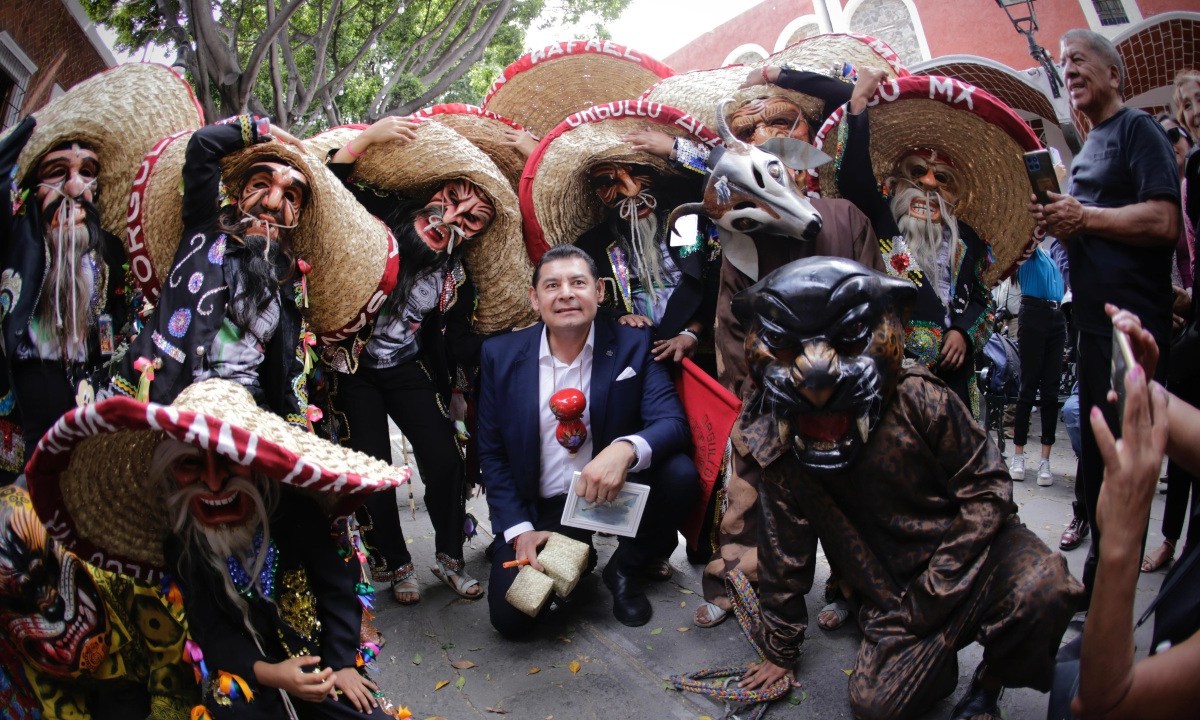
(635, 427)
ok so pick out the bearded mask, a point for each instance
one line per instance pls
(768, 117)
(825, 346)
(50, 607)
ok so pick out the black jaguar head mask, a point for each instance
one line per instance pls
(825, 343)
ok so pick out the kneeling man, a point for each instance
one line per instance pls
(635, 425)
(908, 496)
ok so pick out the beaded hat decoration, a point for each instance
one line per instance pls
(89, 478)
(985, 138)
(542, 88)
(120, 114)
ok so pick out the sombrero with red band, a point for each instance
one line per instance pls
(984, 138)
(699, 92)
(496, 259)
(120, 114)
(557, 202)
(90, 483)
(352, 254)
(543, 87)
(485, 129)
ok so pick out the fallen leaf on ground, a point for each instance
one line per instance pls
(649, 647)
(463, 665)
(462, 680)
(574, 666)
(656, 631)
(498, 711)
(534, 670)
(682, 629)
(685, 591)
(417, 659)
(440, 684)
(683, 603)
(564, 638)
(848, 671)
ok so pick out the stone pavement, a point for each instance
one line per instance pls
(584, 664)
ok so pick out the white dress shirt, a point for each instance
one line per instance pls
(557, 465)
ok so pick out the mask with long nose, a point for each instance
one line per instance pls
(750, 190)
(825, 346)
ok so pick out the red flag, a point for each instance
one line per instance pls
(711, 411)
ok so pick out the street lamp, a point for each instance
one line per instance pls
(1023, 17)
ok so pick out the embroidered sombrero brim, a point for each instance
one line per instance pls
(89, 478)
(543, 87)
(983, 137)
(557, 201)
(485, 129)
(120, 113)
(499, 266)
(352, 254)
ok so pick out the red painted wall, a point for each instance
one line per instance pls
(760, 24)
(49, 35)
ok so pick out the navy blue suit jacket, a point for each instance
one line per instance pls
(508, 434)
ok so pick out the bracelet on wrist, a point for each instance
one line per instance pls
(690, 334)
(352, 152)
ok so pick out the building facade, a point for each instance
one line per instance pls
(46, 46)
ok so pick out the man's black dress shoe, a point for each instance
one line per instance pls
(630, 604)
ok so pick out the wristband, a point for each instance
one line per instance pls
(690, 334)
(763, 70)
(352, 152)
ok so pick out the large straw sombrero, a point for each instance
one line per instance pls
(352, 254)
(485, 129)
(90, 482)
(699, 92)
(120, 113)
(557, 201)
(499, 266)
(983, 138)
(543, 87)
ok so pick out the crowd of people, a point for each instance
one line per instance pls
(199, 492)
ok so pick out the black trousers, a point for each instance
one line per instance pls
(1094, 362)
(1041, 337)
(1181, 483)
(407, 395)
(674, 489)
(43, 396)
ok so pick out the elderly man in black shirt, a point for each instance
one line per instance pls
(1120, 218)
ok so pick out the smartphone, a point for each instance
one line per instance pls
(1039, 166)
(1122, 360)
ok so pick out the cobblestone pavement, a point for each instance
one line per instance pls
(622, 672)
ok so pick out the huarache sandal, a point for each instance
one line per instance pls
(709, 615)
(405, 589)
(1160, 558)
(833, 615)
(453, 573)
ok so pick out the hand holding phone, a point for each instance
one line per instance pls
(1122, 361)
(1039, 166)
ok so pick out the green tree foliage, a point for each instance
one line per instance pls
(318, 63)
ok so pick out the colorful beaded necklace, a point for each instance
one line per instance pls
(266, 576)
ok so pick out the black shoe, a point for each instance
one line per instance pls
(978, 702)
(1074, 535)
(630, 604)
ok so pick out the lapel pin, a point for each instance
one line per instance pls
(608, 353)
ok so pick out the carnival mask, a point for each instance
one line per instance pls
(66, 182)
(751, 191)
(764, 118)
(932, 172)
(624, 187)
(218, 491)
(50, 607)
(272, 197)
(456, 213)
(825, 345)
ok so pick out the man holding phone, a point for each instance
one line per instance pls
(1120, 220)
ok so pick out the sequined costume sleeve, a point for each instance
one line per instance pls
(974, 317)
(787, 556)
(976, 478)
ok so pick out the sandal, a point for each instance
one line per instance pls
(1160, 558)
(405, 589)
(453, 573)
(841, 612)
(713, 615)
